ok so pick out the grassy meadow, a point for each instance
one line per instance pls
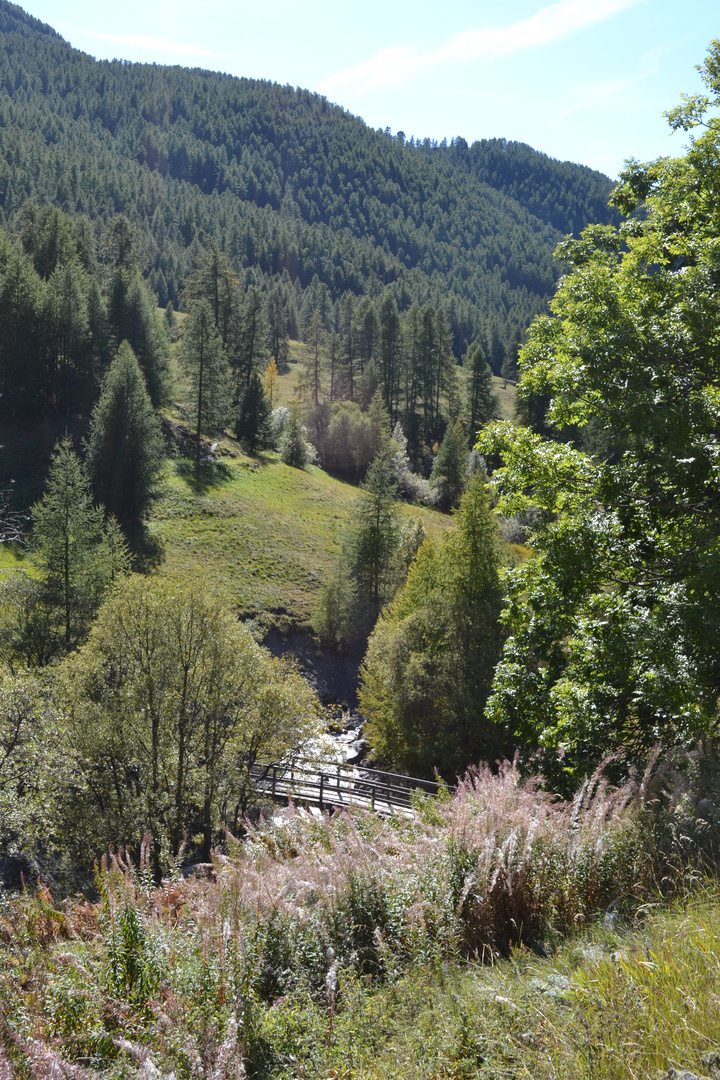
(259, 533)
(262, 533)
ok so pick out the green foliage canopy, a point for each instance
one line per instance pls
(614, 624)
(168, 706)
(430, 660)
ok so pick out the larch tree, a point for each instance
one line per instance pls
(374, 540)
(481, 401)
(271, 380)
(312, 378)
(449, 473)
(206, 367)
(69, 546)
(430, 660)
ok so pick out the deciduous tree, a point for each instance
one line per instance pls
(614, 622)
(169, 706)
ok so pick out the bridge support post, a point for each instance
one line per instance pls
(322, 782)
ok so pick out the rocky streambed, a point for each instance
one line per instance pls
(334, 679)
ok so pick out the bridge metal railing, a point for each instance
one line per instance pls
(330, 784)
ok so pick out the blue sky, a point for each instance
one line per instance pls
(584, 80)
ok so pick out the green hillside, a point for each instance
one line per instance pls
(262, 534)
(290, 186)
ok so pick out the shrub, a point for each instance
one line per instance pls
(203, 974)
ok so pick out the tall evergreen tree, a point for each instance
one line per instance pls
(374, 540)
(450, 469)
(348, 347)
(294, 448)
(253, 417)
(390, 352)
(216, 283)
(367, 331)
(125, 445)
(22, 378)
(313, 366)
(68, 331)
(207, 369)
(481, 401)
(250, 354)
(133, 319)
(67, 544)
(277, 327)
(98, 356)
(509, 370)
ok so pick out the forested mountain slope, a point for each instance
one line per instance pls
(285, 183)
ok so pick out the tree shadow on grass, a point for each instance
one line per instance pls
(147, 551)
(210, 474)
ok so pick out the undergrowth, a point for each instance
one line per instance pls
(364, 947)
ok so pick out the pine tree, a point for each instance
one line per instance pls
(390, 352)
(170, 319)
(449, 473)
(98, 356)
(482, 402)
(313, 366)
(294, 448)
(253, 418)
(366, 575)
(509, 370)
(216, 283)
(68, 330)
(277, 324)
(251, 353)
(205, 363)
(21, 333)
(374, 541)
(367, 331)
(133, 319)
(380, 423)
(348, 345)
(125, 444)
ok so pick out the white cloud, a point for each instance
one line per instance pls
(648, 66)
(396, 65)
(151, 44)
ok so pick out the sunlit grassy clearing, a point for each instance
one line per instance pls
(13, 557)
(261, 533)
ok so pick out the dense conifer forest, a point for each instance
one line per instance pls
(335, 461)
(294, 190)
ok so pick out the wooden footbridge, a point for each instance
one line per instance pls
(329, 785)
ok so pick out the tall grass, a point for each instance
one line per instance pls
(192, 976)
